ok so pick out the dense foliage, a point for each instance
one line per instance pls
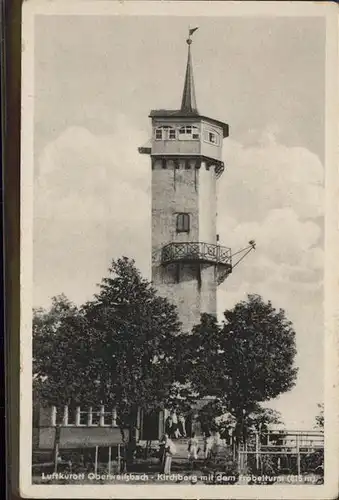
(118, 349)
(123, 349)
(245, 360)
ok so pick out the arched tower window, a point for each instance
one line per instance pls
(189, 132)
(165, 133)
(183, 223)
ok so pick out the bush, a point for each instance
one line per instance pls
(224, 464)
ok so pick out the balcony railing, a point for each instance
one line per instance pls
(196, 252)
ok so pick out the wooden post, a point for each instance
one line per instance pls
(298, 454)
(96, 460)
(56, 454)
(239, 460)
(257, 451)
(109, 459)
(119, 459)
(56, 446)
(138, 425)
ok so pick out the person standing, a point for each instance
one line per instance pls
(175, 430)
(169, 425)
(188, 424)
(162, 443)
(169, 451)
(182, 426)
(193, 447)
(208, 443)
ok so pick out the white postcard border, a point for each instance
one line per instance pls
(200, 8)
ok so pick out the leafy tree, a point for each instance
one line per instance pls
(49, 333)
(262, 417)
(245, 360)
(134, 336)
(119, 349)
(216, 417)
(46, 329)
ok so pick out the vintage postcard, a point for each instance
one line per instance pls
(179, 274)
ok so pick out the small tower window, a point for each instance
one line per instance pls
(211, 137)
(158, 134)
(165, 132)
(183, 223)
(171, 133)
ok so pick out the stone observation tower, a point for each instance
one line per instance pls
(188, 262)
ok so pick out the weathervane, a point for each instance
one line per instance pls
(190, 33)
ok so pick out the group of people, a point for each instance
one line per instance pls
(175, 426)
(178, 426)
(193, 450)
(210, 443)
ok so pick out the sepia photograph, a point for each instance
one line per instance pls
(178, 229)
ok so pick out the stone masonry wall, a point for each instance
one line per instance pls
(191, 190)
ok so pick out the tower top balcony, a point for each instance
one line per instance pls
(198, 253)
(182, 116)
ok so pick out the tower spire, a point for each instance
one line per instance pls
(188, 103)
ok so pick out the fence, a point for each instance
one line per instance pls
(108, 459)
(272, 453)
(282, 452)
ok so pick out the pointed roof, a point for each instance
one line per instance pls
(188, 108)
(189, 103)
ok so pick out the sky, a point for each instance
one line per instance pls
(97, 78)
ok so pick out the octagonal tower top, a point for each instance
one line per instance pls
(184, 131)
